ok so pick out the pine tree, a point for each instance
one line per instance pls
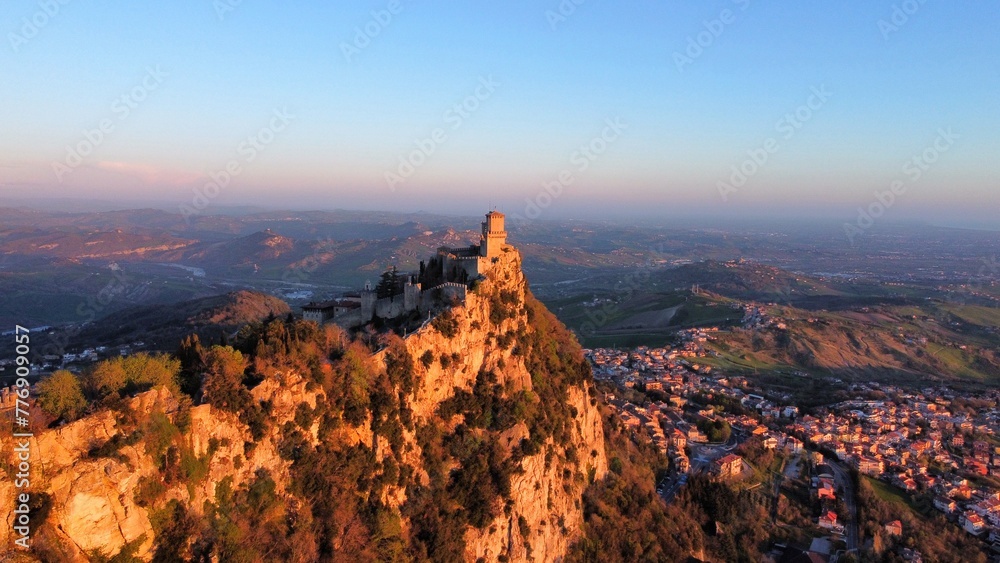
(191, 356)
(387, 283)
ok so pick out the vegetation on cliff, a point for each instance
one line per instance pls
(366, 480)
(625, 519)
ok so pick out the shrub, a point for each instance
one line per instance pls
(61, 395)
(427, 358)
(223, 385)
(446, 324)
(133, 374)
(149, 490)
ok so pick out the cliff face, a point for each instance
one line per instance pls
(546, 495)
(92, 492)
(98, 496)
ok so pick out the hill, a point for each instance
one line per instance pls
(474, 438)
(161, 327)
(897, 343)
(831, 326)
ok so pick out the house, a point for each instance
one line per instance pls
(826, 490)
(682, 463)
(828, 520)
(793, 445)
(973, 523)
(728, 465)
(870, 466)
(894, 528)
(678, 439)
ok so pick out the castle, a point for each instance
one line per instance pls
(445, 279)
(475, 260)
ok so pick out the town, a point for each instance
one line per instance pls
(934, 446)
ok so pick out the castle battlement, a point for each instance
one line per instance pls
(450, 272)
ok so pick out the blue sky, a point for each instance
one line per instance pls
(555, 83)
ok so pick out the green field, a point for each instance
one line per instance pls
(891, 494)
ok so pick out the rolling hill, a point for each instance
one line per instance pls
(163, 326)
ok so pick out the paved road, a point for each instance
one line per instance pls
(844, 479)
(670, 486)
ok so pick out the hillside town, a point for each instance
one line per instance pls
(934, 445)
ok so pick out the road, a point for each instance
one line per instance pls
(843, 478)
(671, 485)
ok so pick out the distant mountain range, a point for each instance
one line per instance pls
(59, 267)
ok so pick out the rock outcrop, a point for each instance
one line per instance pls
(95, 493)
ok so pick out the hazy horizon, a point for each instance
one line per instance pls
(692, 218)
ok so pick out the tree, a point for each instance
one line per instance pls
(223, 382)
(61, 395)
(133, 374)
(387, 285)
(106, 378)
(190, 355)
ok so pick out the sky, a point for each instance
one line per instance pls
(544, 108)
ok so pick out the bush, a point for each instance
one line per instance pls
(149, 490)
(133, 374)
(427, 358)
(717, 430)
(223, 384)
(446, 324)
(159, 434)
(61, 395)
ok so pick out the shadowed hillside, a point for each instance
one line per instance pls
(163, 326)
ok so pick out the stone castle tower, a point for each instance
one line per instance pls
(368, 299)
(494, 236)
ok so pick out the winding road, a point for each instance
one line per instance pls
(843, 478)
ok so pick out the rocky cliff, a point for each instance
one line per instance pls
(487, 373)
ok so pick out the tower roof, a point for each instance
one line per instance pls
(494, 213)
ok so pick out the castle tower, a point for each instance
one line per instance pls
(411, 295)
(368, 298)
(494, 236)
